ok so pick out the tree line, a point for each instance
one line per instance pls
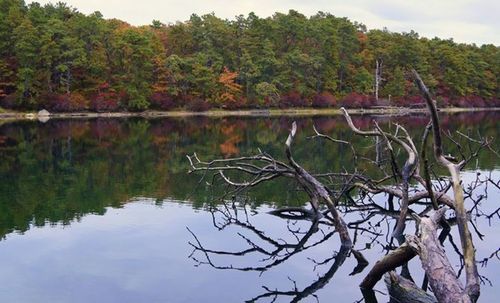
(57, 58)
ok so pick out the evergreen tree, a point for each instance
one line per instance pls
(53, 52)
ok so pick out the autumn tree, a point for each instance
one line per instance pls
(52, 50)
(229, 90)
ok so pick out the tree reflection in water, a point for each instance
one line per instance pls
(81, 167)
(354, 192)
(373, 217)
(275, 251)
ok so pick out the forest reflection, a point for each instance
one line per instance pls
(62, 170)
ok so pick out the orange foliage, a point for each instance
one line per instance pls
(363, 39)
(78, 101)
(119, 25)
(230, 89)
(229, 148)
(71, 102)
(161, 73)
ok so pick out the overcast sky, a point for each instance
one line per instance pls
(463, 20)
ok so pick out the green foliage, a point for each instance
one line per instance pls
(25, 49)
(363, 81)
(65, 169)
(55, 50)
(395, 86)
(267, 93)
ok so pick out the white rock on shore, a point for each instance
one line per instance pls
(43, 113)
(43, 116)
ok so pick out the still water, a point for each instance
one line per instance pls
(104, 211)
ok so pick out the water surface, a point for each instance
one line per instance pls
(97, 210)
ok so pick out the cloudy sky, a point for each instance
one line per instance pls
(471, 21)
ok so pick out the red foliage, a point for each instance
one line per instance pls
(443, 101)
(72, 102)
(495, 102)
(106, 99)
(8, 101)
(106, 129)
(327, 124)
(323, 100)
(475, 101)
(162, 101)
(238, 103)
(196, 104)
(292, 99)
(411, 101)
(442, 90)
(369, 102)
(72, 128)
(459, 102)
(104, 103)
(355, 100)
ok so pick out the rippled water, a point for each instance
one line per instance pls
(98, 210)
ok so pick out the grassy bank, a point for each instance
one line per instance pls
(11, 115)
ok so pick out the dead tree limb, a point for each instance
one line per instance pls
(273, 251)
(404, 290)
(393, 260)
(425, 163)
(408, 168)
(322, 189)
(317, 191)
(442, 278)
(299, 295)
(472, 277)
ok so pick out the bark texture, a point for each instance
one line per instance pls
(442, 278)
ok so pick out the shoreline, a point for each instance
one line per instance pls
(390, 111)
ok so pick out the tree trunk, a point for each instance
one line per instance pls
(378, 76)
(442, 278)
(404, 290)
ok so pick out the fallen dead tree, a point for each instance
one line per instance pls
(404, 290)
(471, 290)
(409, 183)
(442, 278)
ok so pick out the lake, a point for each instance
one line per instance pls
(104, 210)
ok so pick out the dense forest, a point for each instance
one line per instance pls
(57, 58)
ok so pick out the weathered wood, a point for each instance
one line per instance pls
(393, 260)
(442, 278)
(317, 191)
(405, 291)
(408, 168)
(378, 76)
(472, 276)
(425, 163)
(296, 213)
